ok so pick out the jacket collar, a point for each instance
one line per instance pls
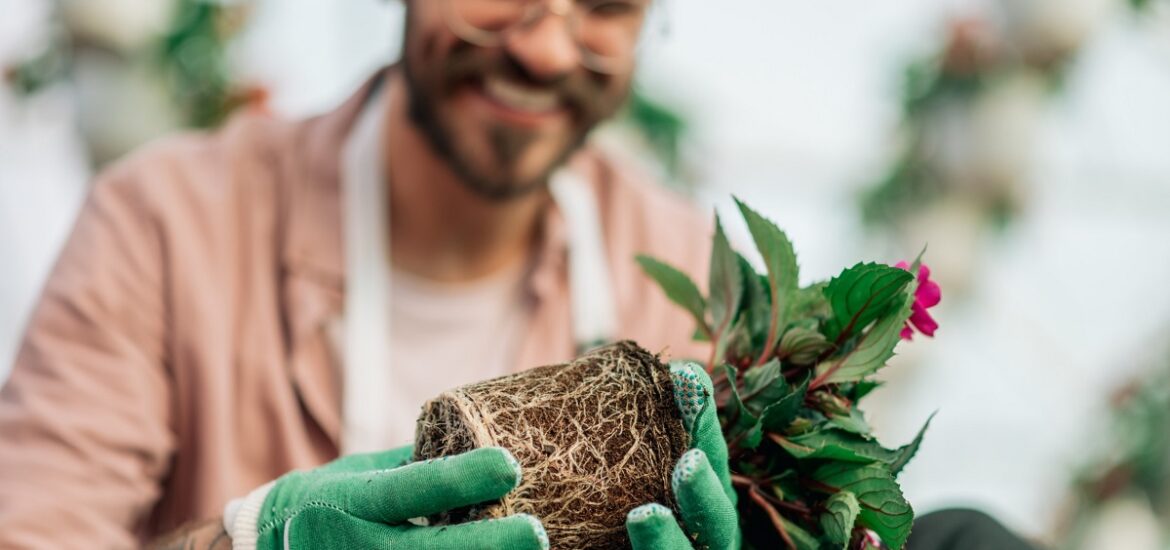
(312, 256)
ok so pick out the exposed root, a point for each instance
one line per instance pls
(596, 437)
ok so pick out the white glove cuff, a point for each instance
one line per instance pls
(241, 515)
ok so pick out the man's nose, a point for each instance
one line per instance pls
(546, 48)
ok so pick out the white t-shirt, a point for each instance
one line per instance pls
(407, 339)
(448, 335)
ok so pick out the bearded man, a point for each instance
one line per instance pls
(237, 306)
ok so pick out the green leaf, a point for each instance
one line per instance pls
(783, 273)
(861, 294)
(906, 452)
(862, 389)
(810, 303)
(917, 263)
(841, 511)
(802, 346)
(743, 425)
(777, 416)
(757, 304)
(870, 353)
(835, 444)
(726, 284)
(764, 385)
(800, 537)
(883, 508)
(736, 344)
(678, 287)
(853, 422)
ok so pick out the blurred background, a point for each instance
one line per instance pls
(1026, 142)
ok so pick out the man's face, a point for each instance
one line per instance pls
(503, 117)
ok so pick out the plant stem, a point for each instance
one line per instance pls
(777, 520)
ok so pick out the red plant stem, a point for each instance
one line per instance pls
(773, 328)
(773, 515)
(821, 378)
(747, 482)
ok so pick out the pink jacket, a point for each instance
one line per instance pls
(179, 357)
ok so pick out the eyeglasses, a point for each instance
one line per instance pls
(606, 31)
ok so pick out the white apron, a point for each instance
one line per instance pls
(366, 356)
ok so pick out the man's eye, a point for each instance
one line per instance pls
(610, 9)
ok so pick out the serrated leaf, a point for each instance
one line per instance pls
(736, 344)
(743, 425)
(883, 507)
(862, 389)
(783, 273)
(906, 452)
(800, 537)
(756, 305)
(841, 511)
(725, 284)
(871, 351)
(777, 416)
(810, 303)
(679, 288)
(853, 422)
(764, 385)
(861, 294)
(835, 444)
(917, 263)
(802, 346)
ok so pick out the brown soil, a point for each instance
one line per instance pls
(596, 438)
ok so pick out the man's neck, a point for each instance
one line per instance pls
(439, 228)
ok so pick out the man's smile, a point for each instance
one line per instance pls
(518, 104)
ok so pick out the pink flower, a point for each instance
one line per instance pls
(926, 296)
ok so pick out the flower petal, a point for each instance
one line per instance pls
(928, 294)
(923, 321)
(923, 272)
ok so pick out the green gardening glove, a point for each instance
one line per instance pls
(368, 501)
(701, 480)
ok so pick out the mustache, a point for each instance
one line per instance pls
(580, 90)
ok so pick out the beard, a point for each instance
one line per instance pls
(589, 98)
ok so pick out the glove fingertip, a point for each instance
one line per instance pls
(647, 512)
(537, 529)
(690, 392)
(688, 466)
(512, 463)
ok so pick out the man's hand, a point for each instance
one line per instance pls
(701, 482)
(365, 501)
(202, 535)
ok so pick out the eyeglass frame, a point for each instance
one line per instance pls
(537, 11)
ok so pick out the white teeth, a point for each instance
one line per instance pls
(520, 97)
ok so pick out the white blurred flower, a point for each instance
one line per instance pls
(953, 228)
(986, 148)
(123, 25)
(1048, 30)
(122, 104)
(1005, 131)
(1125, 523)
